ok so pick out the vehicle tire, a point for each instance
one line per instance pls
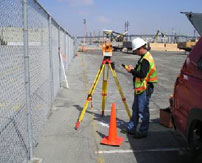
(195, 136)
(173, 122)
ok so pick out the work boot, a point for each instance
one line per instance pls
(139, 135)
(124, 131)
(131, 129)
(131, 133)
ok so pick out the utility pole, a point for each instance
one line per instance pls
(91, 35)
(98, 38)
(85, 30)
(126, 26)
(126, 29)
(194, 34)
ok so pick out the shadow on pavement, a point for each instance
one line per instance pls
(162, 145)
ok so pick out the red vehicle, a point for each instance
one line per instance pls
(186, 102)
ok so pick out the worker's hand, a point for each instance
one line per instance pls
(129, 68)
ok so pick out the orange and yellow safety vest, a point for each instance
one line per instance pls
(141, 84)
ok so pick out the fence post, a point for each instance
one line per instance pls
(65, 52)
(69, 45)
(74, 46)
(71, 48)
(68, 57)
(60, 71)
(27, 79)
(51, 60)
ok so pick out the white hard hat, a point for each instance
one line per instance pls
(137, 43)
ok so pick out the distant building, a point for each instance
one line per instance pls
(11, 36)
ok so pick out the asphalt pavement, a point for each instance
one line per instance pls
(59, 142)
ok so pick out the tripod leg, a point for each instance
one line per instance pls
(104, 89)
(120, 91)
(89, 97)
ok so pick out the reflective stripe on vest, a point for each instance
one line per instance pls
(141, 84)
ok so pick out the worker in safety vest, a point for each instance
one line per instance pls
(144, 75)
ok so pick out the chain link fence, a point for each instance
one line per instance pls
(31, 73)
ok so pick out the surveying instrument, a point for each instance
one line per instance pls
(107, 54)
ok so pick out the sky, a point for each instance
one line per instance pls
(144, 16)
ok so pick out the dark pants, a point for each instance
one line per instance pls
(140, 110)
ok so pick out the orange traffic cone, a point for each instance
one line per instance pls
(112, 139)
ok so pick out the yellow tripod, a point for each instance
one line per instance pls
(106, 61)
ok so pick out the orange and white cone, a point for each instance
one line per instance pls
(112, 139)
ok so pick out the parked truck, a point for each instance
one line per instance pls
(185, 103)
